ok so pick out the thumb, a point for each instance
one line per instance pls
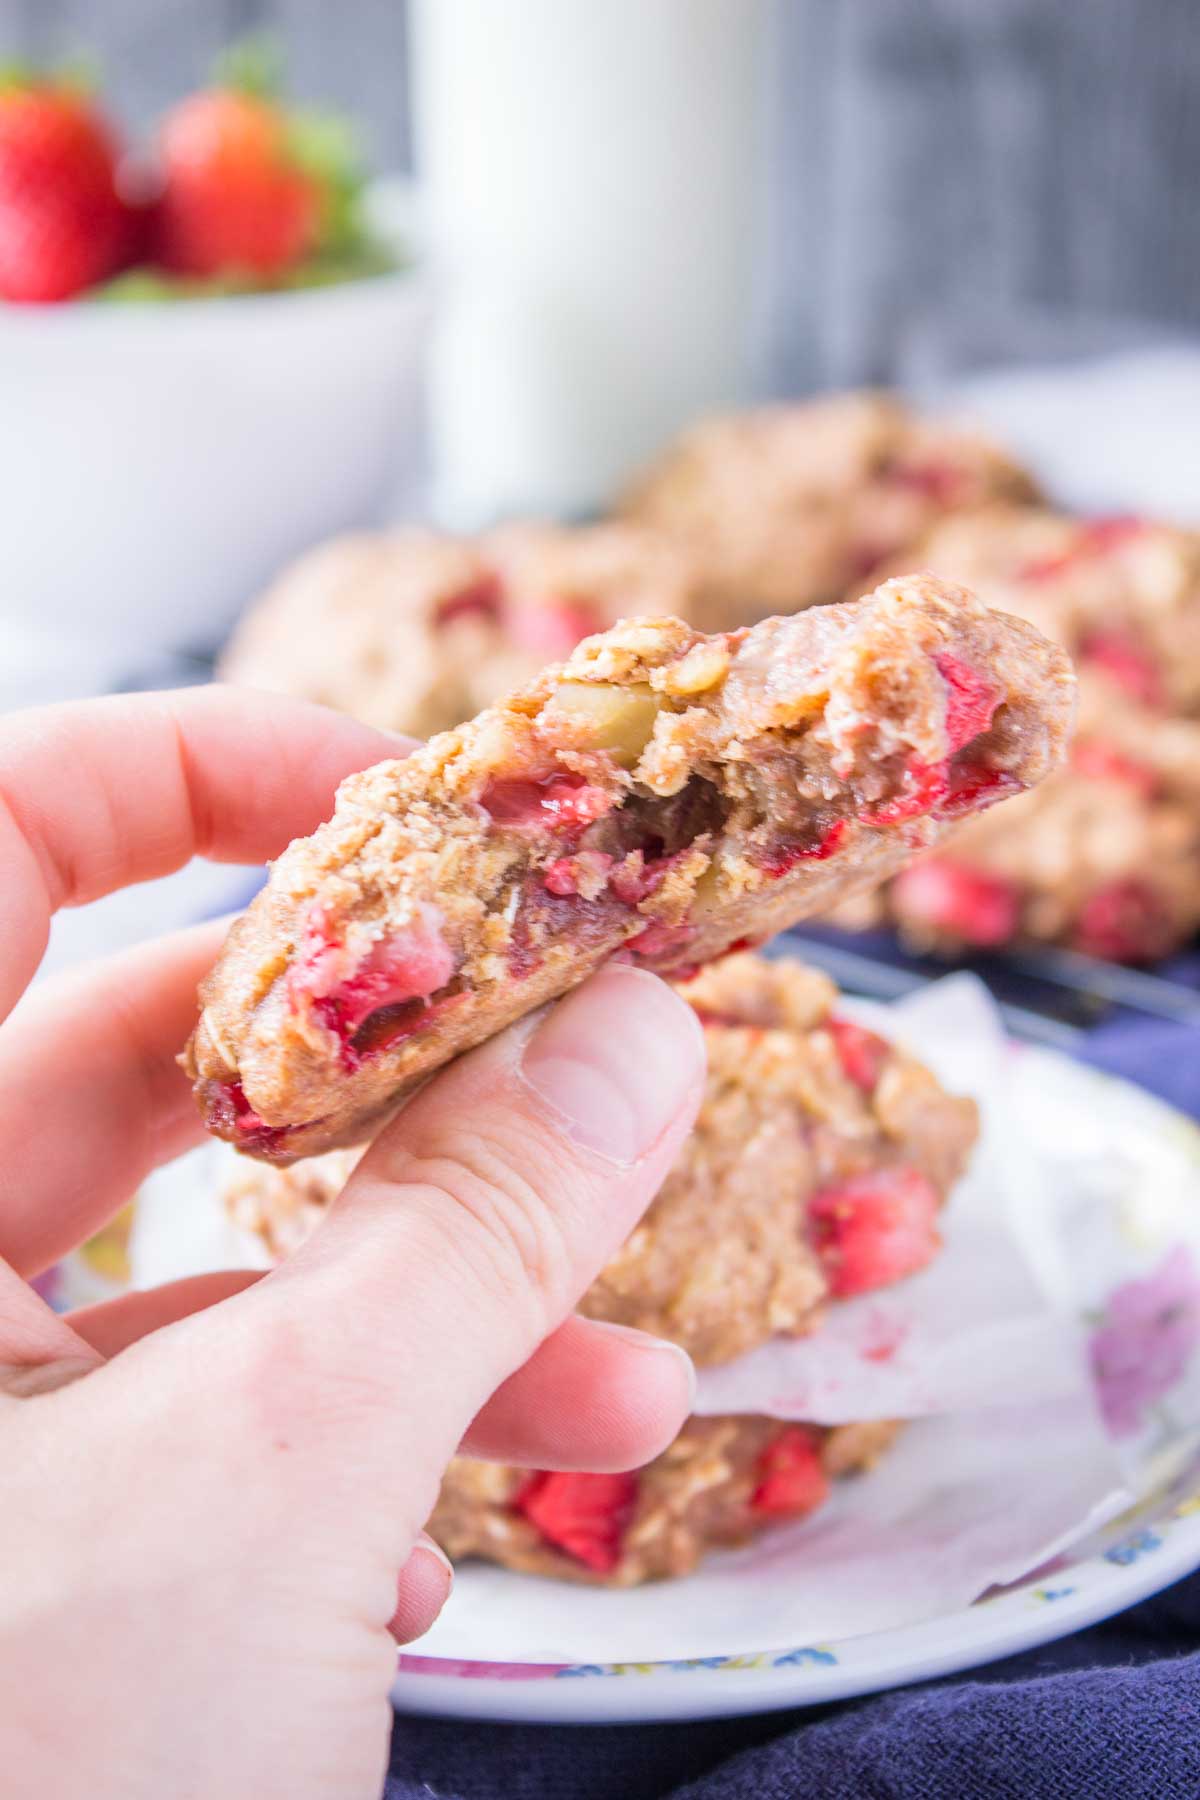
(464, 1237)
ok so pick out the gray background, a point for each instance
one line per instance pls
(949, 180)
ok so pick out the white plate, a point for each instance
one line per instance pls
(1154, 1544)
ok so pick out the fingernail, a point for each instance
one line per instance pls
(645, 1340)
(425, 1546)
(616, 1061)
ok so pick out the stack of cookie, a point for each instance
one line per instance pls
(819, 1164)
(1105, 857)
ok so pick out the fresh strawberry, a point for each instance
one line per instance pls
(875, 1228)
(862, 1053)
(585, 1515)
(791, 1480)
(951, 897)
(63, 224)
(236, 198)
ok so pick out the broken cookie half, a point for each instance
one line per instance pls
(662, 795)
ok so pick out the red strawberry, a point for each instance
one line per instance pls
(63, 225)
(791, 1479)
(1124, 922)
(1126, 663)
(236, 199)
(585, 1515)
(861, 1053)
(951, 897)
(873, 1229)
(925, 786)
(1100, 761)
(970, 700)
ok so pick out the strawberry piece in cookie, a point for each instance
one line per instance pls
(874, 1229)
(957, 902)
(861, 1053)
(661, 794)
(583, 1515)
(344, 984)
(791, 1476)
(721, 1483)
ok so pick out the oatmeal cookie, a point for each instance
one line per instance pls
(820, 1158)
(1122, 595)
(1104, 857)
(663, 794)
(785, 507)
(721, 1483)
(415, 631)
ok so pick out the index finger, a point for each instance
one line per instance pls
(97, 794)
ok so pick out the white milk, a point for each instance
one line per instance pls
(590, 169)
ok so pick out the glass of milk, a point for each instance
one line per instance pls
(589, 172)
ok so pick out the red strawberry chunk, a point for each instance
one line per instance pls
(1096, 538)
(791, 1479)
(553, 800)
(564, 873)
(861, 1053)
(660, 939)
(954, 898)
(1124, 922)
(1099, 761)
(480, 599)
(553, 628)
(346, 987)
(875, 1228)
(639, 876)
(1126, 663)
(585, 1515)
(784, 858)
(941, 482)
(1107, 533)
(925, 784)
(234, 1117)
(972, 787)
(970, 701)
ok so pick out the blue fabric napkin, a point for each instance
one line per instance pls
(1112, 1713)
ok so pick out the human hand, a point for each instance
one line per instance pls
(211, 1495)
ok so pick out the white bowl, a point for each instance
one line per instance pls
(158, 462)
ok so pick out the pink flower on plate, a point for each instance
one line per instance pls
(1144, 1340)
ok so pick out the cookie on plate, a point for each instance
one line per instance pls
(720, 1484)
(785, 507)
(415, 630)
(662, 794)
(821, 1156)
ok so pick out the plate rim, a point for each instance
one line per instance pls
(988, 1631)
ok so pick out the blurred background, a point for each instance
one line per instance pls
(468, 262)
(1022, 169)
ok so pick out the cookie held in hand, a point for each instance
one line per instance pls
(662, 794)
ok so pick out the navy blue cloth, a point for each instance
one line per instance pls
(1112, 1713)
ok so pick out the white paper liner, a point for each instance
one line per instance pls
(1080, 1188)
(960, 1504)
(972, 1330)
